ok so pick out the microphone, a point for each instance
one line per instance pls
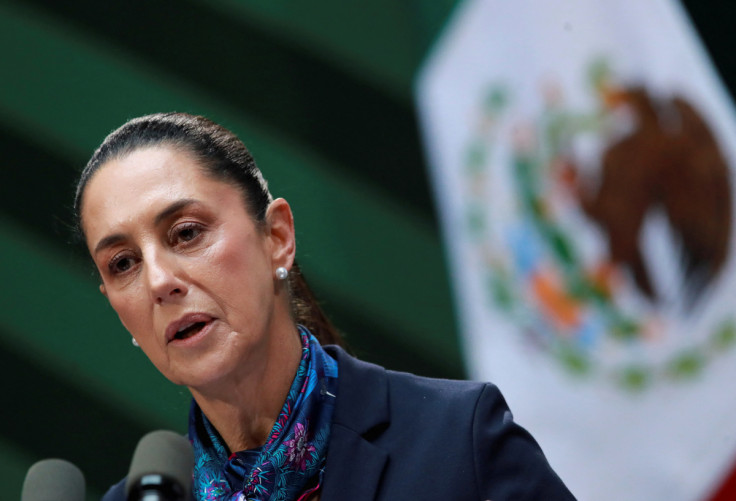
(53, 480)
(161, 469)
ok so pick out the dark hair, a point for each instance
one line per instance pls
(223, 156)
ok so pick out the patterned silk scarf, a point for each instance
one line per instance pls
(289, 466)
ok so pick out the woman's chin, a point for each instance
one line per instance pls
(208, 371)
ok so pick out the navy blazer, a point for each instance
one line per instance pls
(396, 436)
(399, 437)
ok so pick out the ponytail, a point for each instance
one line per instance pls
(306, 310)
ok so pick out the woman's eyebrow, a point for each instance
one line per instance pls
(108, 241)
(173, 208)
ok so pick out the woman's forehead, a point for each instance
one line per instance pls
(141, 183)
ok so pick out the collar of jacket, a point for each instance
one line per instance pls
(355, 464)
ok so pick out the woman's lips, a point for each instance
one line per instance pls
(187, 326)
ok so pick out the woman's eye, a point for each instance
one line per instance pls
(121, 264)
(186, 233)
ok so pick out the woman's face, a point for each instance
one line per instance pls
(185, 267)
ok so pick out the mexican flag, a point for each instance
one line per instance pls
(583, 157)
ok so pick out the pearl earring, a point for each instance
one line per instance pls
(281, 273)
(135, 343)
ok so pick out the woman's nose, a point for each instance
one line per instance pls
(164, 279)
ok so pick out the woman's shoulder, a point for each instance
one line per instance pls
(447, 407)
(406, 387)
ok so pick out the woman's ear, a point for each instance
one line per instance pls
(103, 291)
(280, 232)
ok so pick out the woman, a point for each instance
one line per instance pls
(197, 260)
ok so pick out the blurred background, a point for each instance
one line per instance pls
(322, 94)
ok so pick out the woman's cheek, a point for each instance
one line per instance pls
(129, 313)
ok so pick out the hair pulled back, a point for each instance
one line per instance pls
(224, 157)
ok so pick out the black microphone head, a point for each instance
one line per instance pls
(162, 463)
(53, 480)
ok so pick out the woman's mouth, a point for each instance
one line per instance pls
(188, 326)
(190, 331)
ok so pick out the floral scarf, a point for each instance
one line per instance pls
(289, 466)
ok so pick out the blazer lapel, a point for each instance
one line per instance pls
(354, 464)
(354, 467)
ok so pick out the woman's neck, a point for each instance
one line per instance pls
(243, 409)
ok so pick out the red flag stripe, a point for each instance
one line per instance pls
(727, 490)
